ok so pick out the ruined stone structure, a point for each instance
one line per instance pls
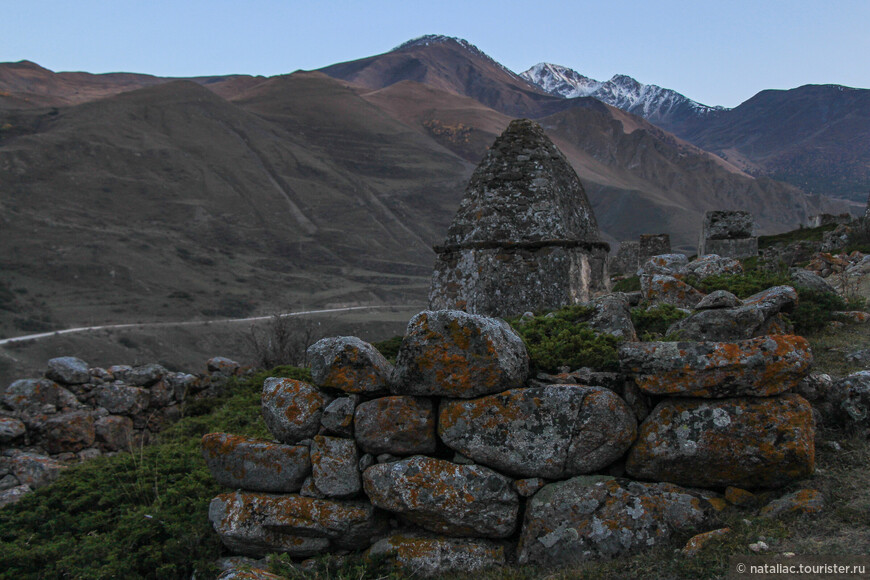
(625, 262)
(632, 254)
(825, 219)
(524, 237)
(728, 234)
(652, 245)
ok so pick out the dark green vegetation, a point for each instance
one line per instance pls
(651, 323)
(798, 235)
(814, 309)
(563, 338)
(142, 514)
(630, 284)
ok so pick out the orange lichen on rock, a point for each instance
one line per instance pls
(759, 367)
(750, 443)
(697, 543)
(255, 464)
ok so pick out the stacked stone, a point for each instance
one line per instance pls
(76, 412)
(625, 262)
(728, 234)
(524, 236)
(651, 245)
(454, 459)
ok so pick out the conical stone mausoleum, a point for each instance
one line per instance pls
(524, 237)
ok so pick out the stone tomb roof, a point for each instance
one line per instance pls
(524, 192)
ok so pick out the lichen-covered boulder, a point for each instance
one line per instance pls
(748, 443)
(662, 289)
(612, 315)
(334, 466)
(699, 541)
(811, 281)
(757, 367)
(426, 556)
(445, 498)
(592, 517)
(71, 432)
(712, 265)
(115, 432)
(803, 502)
(454, 354)
(349, 364)
(758, 315)
(222, 364)
(555, 431)
(256, 524)
(145, 375)
(255, 465)
(853, 393)
(13, 494)
(397, 425)
(663, 264)
(121, 399)
(11, 428)
(337, 417)
(68, 370)
(718, 299)
(34, 396)
(292, 409)
(32, 469)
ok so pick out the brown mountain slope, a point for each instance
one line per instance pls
(25, 84)
(816, 137)
(452, 65)
(171, 203)
(639, 178)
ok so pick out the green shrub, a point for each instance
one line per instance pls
(652, 323)
(814, 310)
(389, 348)
(630, 284)
(134, 515)
(563, 338)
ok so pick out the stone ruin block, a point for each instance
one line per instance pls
(728, 234)
(826, 219)
(653, 245)
(626, 260)
(524, 237)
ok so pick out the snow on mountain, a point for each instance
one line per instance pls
(652, 102)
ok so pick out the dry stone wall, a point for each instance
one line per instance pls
(456, 459)
(77, 412)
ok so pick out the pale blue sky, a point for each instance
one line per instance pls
(719, 53)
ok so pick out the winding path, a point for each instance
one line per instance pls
(188, 323)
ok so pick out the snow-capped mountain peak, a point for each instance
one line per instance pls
(652, 102)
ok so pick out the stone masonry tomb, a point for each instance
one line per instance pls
(524, 237)
(728, 234)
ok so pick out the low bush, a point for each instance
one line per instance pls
(630, 284)
(133, 515)
(563, 338)
(389, 348)
(652, 323)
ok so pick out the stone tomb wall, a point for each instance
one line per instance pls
(455, 459)
(513, 280)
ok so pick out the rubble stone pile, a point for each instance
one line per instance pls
(76, 412)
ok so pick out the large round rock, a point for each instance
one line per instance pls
(396, 425)
(555, 431)
(256, 524)
(427, 556)
(292, 409)
(757, 367)
(748, 443)
(255, 465)
(592, 517)
(443, 497)
(68, 370)
(452, 353)
(349, 364)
